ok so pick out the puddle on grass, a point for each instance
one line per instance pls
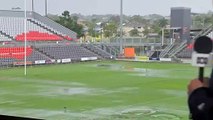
(111, 66)
(45, 90)
(147, 114)
(137, 71)
(147, 72)
(136, 113)
(74, 91)
(179, 93)
(109, 113)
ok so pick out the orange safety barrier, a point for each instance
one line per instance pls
(129, 52)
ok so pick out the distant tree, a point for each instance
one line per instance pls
(208, 20)
(115, 19)
(202, 20)
(146, 31)
(158, 24)
(155, 28)
(198, 21)
(137, 18)
(92, 28)
(66, 14)
(110, 29)
(134, 32)
(71, 23)
(162, 22)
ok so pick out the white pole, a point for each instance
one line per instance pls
(25, 37)
(172, 36)
(162, 37)
(33, 6)
(46, 8)
(121, 27)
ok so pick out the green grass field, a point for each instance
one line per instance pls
(105, 90)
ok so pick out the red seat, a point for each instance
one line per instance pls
(68, 37)
(15, 52)
(38, 36)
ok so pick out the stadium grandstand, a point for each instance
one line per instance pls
(182, 35)
(47, 41)
(184, 49)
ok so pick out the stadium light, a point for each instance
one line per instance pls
(32, 5)
(46, 8)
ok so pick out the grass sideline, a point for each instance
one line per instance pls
(104, 90)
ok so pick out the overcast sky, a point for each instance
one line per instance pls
(130, 7)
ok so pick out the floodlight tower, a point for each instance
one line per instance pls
(32, 5)
(46, 8)
(121, 27)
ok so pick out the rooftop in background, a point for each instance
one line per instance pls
(136, 7)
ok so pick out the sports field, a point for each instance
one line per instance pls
(105, 90)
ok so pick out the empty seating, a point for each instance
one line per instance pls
(15, 52)
(6, 61)
(39, 23)
(38, 36)
(35, 56)
(186, 53)
(75, 52)
(4, 38)
(14, 27)
(98, 51)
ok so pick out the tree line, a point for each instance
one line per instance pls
(110, 27)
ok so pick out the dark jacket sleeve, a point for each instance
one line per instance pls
(201, 104)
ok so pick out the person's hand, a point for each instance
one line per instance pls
(195, 84)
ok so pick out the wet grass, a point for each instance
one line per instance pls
(98, 90)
